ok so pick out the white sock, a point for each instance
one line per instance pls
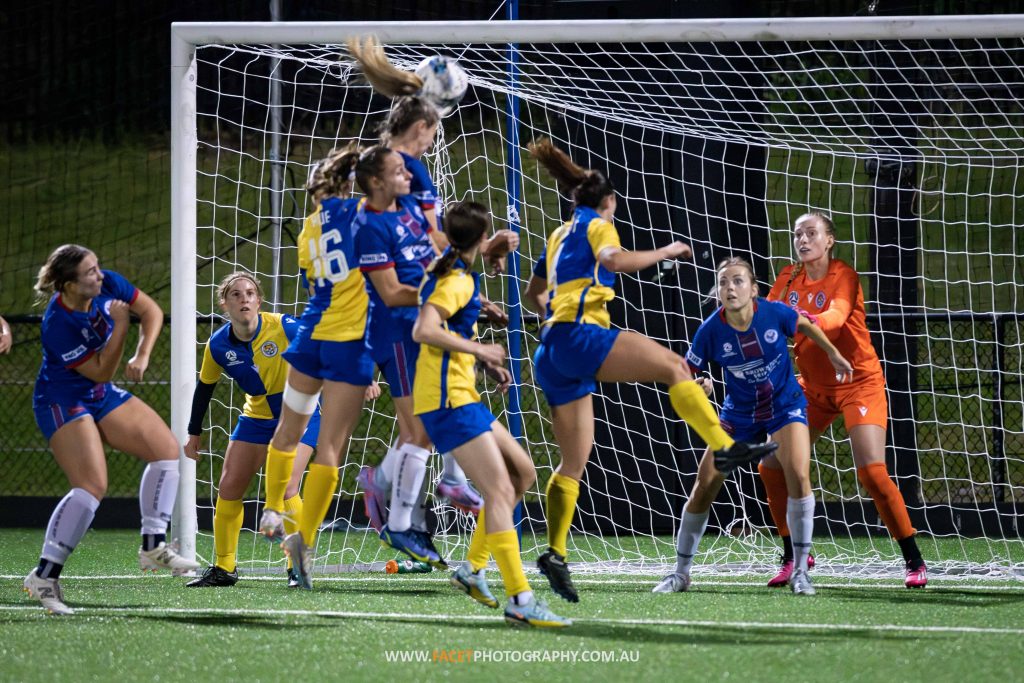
(451, 472)
(523, 598)
(386, 471)
(800, 518)
(691, 529)
(68, 523)
(157, 491)
(405, 487)
(419, 513)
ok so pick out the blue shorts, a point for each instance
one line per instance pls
(345, 361)
(569, 356)
(397, 361)
(260, 431)
(52, 416)
(743, 428)
(450, 428)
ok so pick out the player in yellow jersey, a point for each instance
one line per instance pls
(571, 285)
(446, 400)
(248, 349)
(328, 356)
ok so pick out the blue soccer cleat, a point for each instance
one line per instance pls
(411, 543)
(534, 613)
(474, 585)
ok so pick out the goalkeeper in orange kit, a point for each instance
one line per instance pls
(828, 291)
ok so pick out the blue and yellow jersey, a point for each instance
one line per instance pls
(445, 379)
(337, 309)
(256, 365)
(579, 287)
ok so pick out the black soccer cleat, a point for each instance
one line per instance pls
(739, 454)
(214, 576)
(553, 566)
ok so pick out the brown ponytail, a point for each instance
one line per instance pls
(333, 176)
(61, 267)
(586, 187)
(464, 224)
(385, 77)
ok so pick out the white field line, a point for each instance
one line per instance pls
(442, 577)
(449, 618)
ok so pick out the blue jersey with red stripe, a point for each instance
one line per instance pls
(70, 338)
(759, 380)
(421, 185)
(393, 239)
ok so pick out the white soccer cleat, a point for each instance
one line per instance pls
(272, 525)
(165, 556)
(800, 583)
(673, 583)
(48, 592)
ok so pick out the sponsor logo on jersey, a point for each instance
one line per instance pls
(799, 412)
(269, 349)
(73, 353)
(694, 359)
(793, 298)
(863, 410)
(727, 350)
(771, 336)
(819, 300)
(370, 259)
(106, 306)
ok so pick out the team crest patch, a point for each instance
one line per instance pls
(819, 300)
(269, 349)
(771, 336)
(794, 298)
(231, 356)
(727, 347)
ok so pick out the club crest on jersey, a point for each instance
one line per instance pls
(269, 349)
(793, 299)
(819, 300)
(771, 336)
(727, 349)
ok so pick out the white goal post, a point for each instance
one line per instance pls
(909, 131)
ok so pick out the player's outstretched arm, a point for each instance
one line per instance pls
(844, 371)
(428, 330)
(621, 261)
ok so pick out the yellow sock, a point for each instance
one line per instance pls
(321, 483)
(292, 515)
(504, 545)
(562, 493)
(279, 473)
(478, 555)
(227, 523)
(691, 404)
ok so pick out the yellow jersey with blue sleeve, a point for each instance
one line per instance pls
(256, 365)
(445, 379)
(338, 304)
(579, 287)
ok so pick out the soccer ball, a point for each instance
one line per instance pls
(444, 82)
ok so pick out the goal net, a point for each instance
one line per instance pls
(906, 132)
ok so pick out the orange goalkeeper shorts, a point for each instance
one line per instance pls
(860, 404)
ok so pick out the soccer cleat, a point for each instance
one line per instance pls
(427, 541)
(534, 613)
(673, 583)
(553, 566)
(462, 496)
(375, 497)
(800, 583)
(739, 454)
(48, 592)
(293, 578)
(786, 571)
(301, 556)
(474, 585)
(917, 577)
(214, 576)
(411, 543)
(272, 525)
(165, 556)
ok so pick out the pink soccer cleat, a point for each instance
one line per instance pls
(786, 572)
(463, 496)
(916, 578)
(375, 498)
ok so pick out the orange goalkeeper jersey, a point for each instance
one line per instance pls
(838, 303)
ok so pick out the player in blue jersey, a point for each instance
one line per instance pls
(449, 406)
(571, 285)
(249, 350)
(748, 337)
(79, 409)
(327, 358)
